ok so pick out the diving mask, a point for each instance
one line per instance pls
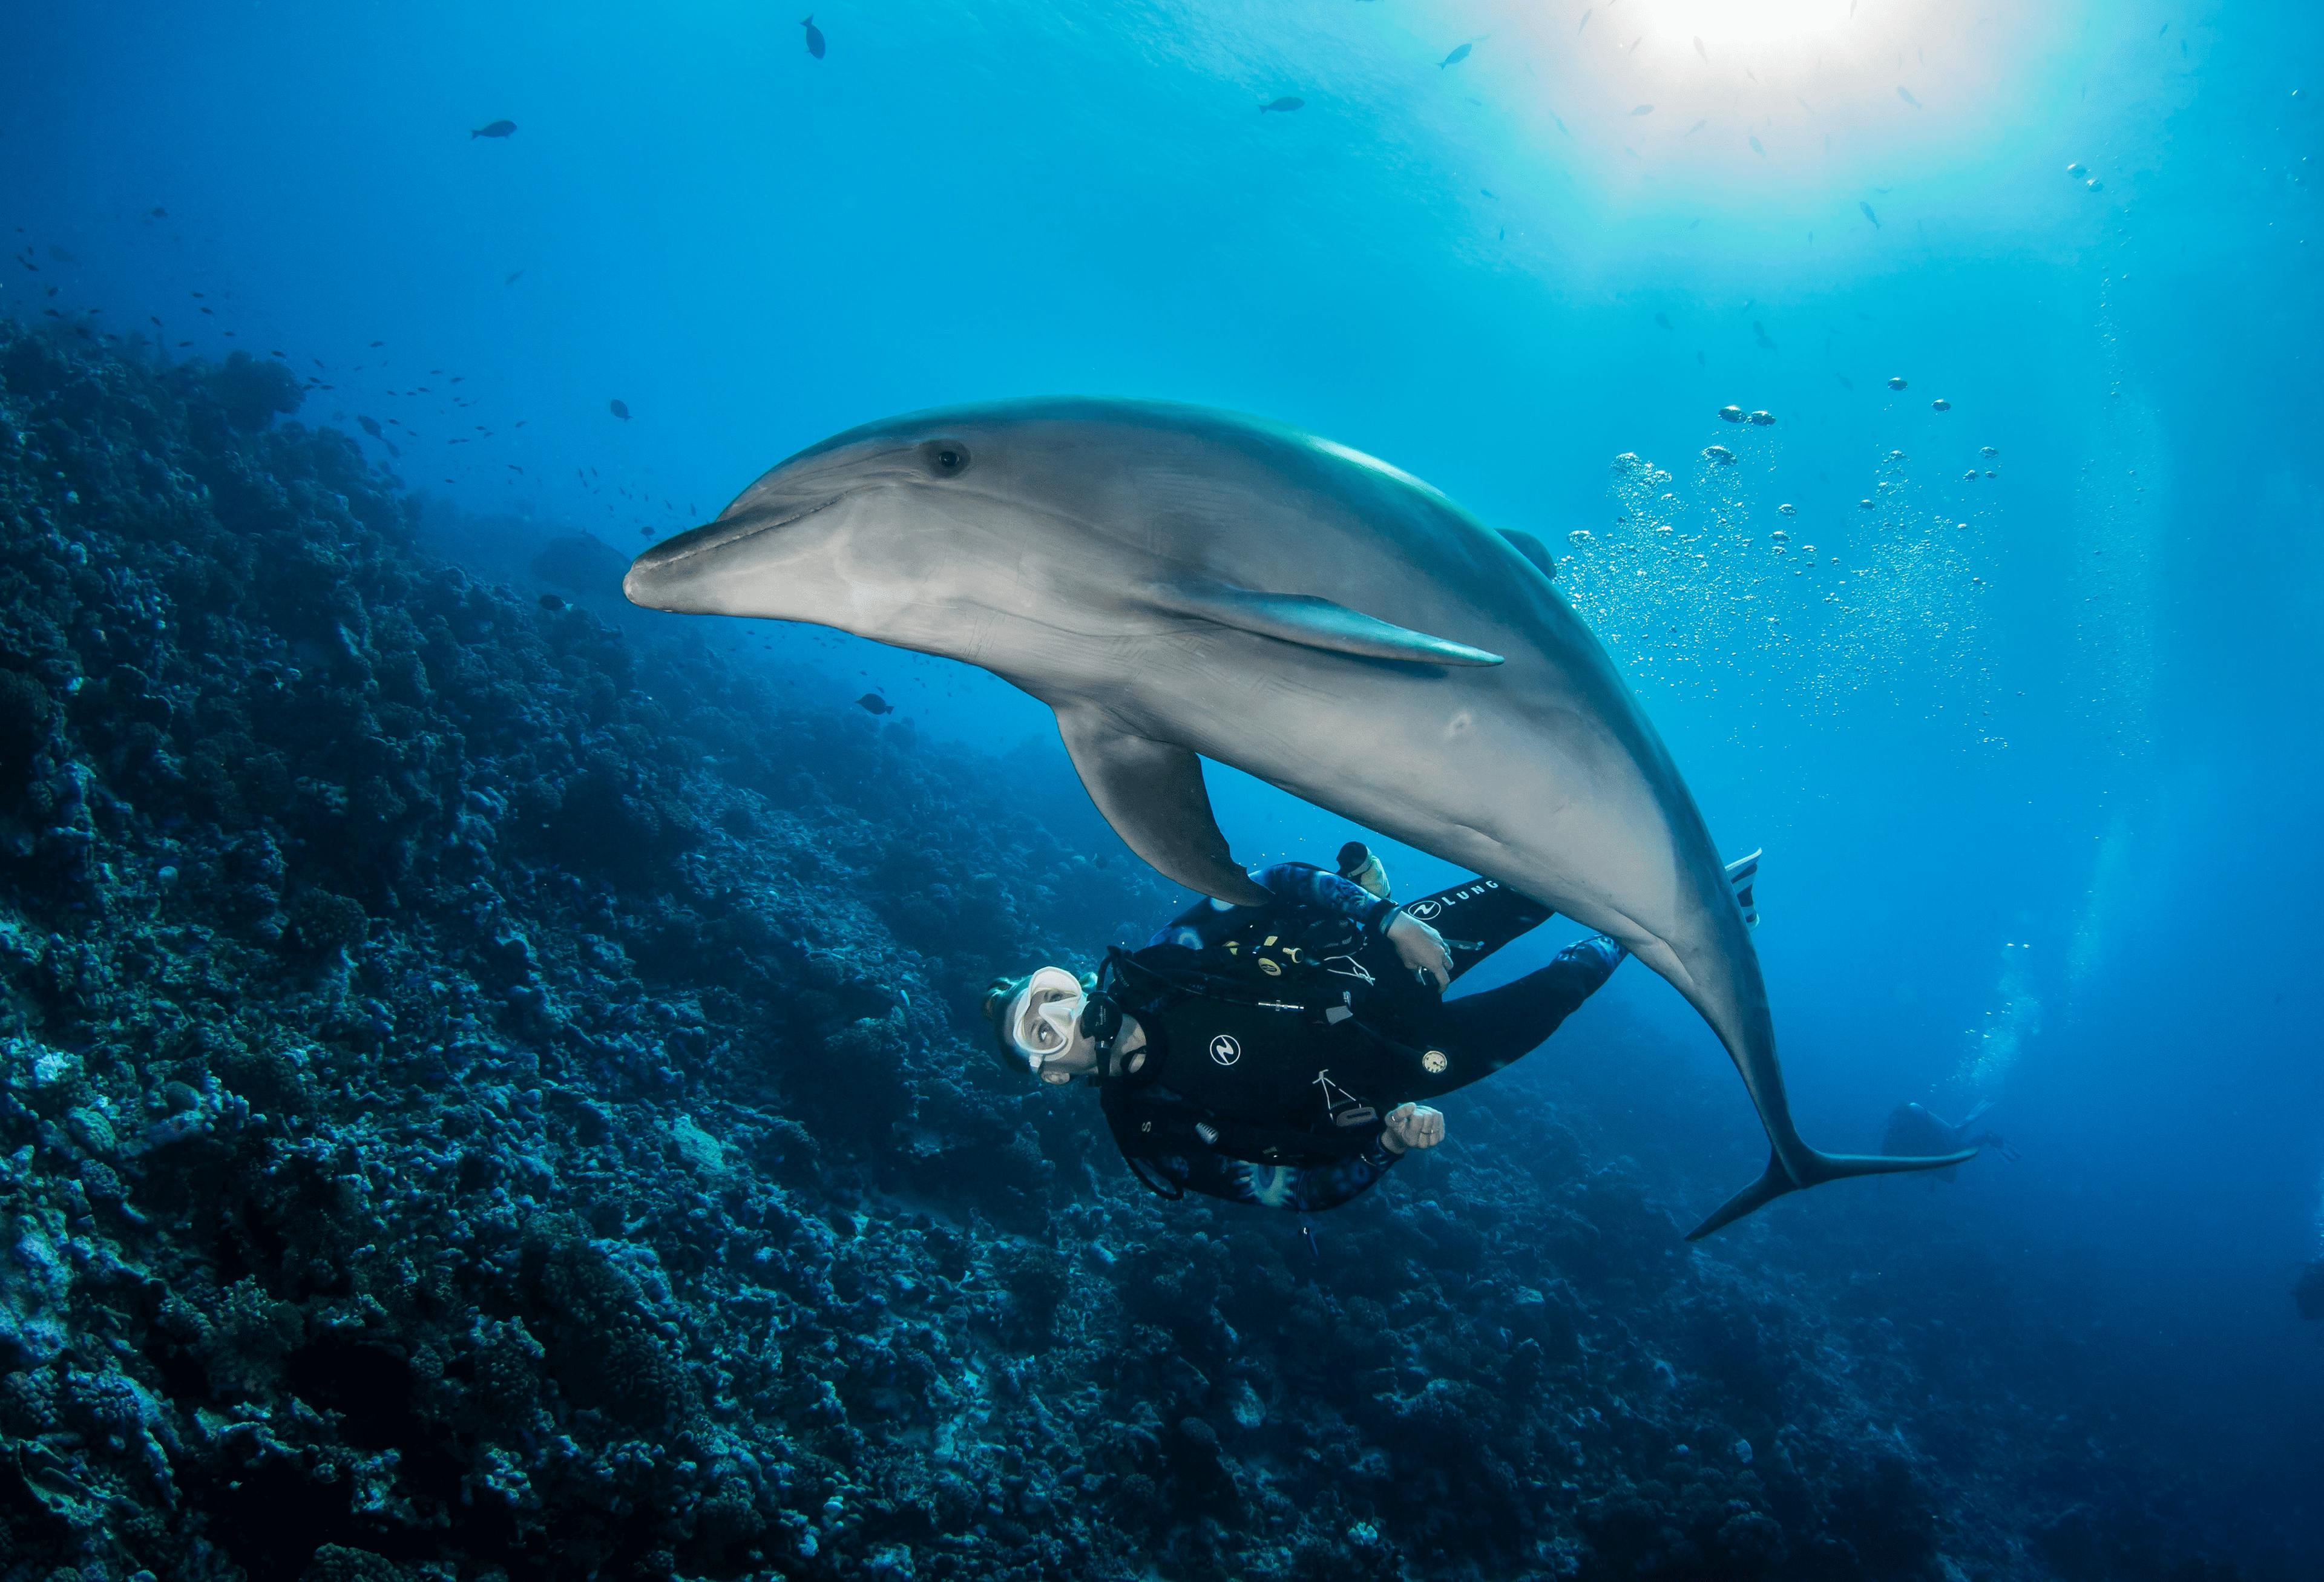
(1039, 1021)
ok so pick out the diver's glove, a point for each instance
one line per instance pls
(1743, 873)
(1412, 1125)
(1421, 947)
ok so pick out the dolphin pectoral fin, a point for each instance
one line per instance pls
(1315, 623)
(1152, 794)
(1817, 1169)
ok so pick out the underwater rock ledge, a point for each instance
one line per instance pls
(490, 1095)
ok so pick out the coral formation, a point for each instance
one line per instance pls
(490, 1094)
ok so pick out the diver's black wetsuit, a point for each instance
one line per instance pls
(1279, 1036)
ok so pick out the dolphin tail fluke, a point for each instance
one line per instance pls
(1817, 1169)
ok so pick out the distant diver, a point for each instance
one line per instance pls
(1913, 1129)
(2308, 1292)
(1282, 1055)
(1179, 583)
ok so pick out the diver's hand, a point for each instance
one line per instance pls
(1421, 947)
(1413, 1125)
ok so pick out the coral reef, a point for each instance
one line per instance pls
(489, 1094)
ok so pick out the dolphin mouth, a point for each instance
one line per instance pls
(727, 531)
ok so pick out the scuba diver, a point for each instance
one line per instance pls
(1913, 1129)
(1283, 1054)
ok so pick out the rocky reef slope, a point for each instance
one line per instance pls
(490, 1095)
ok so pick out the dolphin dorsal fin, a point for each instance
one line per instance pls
(1313, 623)
(1152, 794)
(1532, 549)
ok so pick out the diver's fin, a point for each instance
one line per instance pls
(1818, 1169)
(1313, 623)
(1743, 874)
(1152, 794)
(1532, 549)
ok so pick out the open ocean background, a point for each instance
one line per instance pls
(2032, 741)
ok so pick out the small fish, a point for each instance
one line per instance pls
(1561, 124)
(513, 279)
(1460, 53)
(1663, 320)
(1757, 147)
(497, 129)
(551, 601)
(369, 426)
(1698, 126)
(1585, 19)
(1642, 109)
(620, 409)
(814, 37)
(157, 212)
(1285, 104)
(1905, 93)
(1760, 332)
(872, 702)
(1870, 215)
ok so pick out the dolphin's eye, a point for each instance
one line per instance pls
(946, 458)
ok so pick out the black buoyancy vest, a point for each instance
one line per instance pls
(1284, 1074)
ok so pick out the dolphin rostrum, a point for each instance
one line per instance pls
(1180, 584)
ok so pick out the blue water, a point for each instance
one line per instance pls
(2033, 755)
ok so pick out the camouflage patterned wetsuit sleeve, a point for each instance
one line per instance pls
(1295, 886)
(1277, 1186)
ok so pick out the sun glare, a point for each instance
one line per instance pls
(1751, 96)
(1724, 22)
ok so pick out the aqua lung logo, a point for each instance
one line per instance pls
(1225, 1050)
(1424, 910)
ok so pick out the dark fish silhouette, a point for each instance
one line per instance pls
(814, 37)
(512, 279)
(1760, 331)
(369, 426)
(620, 410)
(159, 213)
(872, 702)
(497, 129)
(1870, 215)
(1285, 104)
(1660, 319)
(1459, 54)
(551, 601)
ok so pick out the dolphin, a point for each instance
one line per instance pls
(1178, 584)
